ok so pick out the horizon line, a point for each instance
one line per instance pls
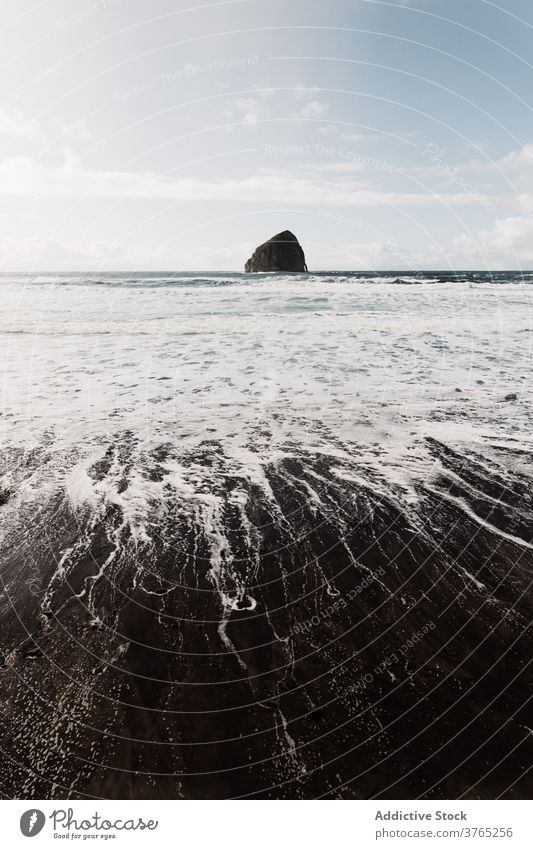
(252, 273)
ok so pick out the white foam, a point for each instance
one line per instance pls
(258, 370)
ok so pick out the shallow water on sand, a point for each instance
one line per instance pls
(195, 465)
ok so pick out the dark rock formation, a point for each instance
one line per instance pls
(281, 253)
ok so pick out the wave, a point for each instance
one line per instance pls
(249, 525)
(222, 279)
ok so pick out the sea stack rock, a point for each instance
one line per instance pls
(281, 253)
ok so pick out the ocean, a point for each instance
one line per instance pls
(259, 532)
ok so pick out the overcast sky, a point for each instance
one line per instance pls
(175, 134)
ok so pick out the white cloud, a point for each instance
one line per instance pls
(508, 243)
(302, 92)
(263, 103)
(521, 158)
(43, 253)
(16, 124)
(327, 130)
(79, 132)
(313, 109)
(515, 164)
(38, 248)
(43, 249)
(398, 2)
(358, 137)
(373, 255)
(22, 176)
(249, 110)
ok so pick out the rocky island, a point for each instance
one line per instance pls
(282, 252)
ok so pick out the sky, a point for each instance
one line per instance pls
(178, 135)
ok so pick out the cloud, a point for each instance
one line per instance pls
(250, 112)
(43, 253)
(16, 124)
(518, 159)
(507, 243)
(263, 103)
(41, 249)
(514, 165)
(517, 166)
(302, 92)
(358, 137)
(391, 2)
(313, 109)
(78, 131)
(373, 255)
(23, 176)
(252, 109)
(38, 248)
